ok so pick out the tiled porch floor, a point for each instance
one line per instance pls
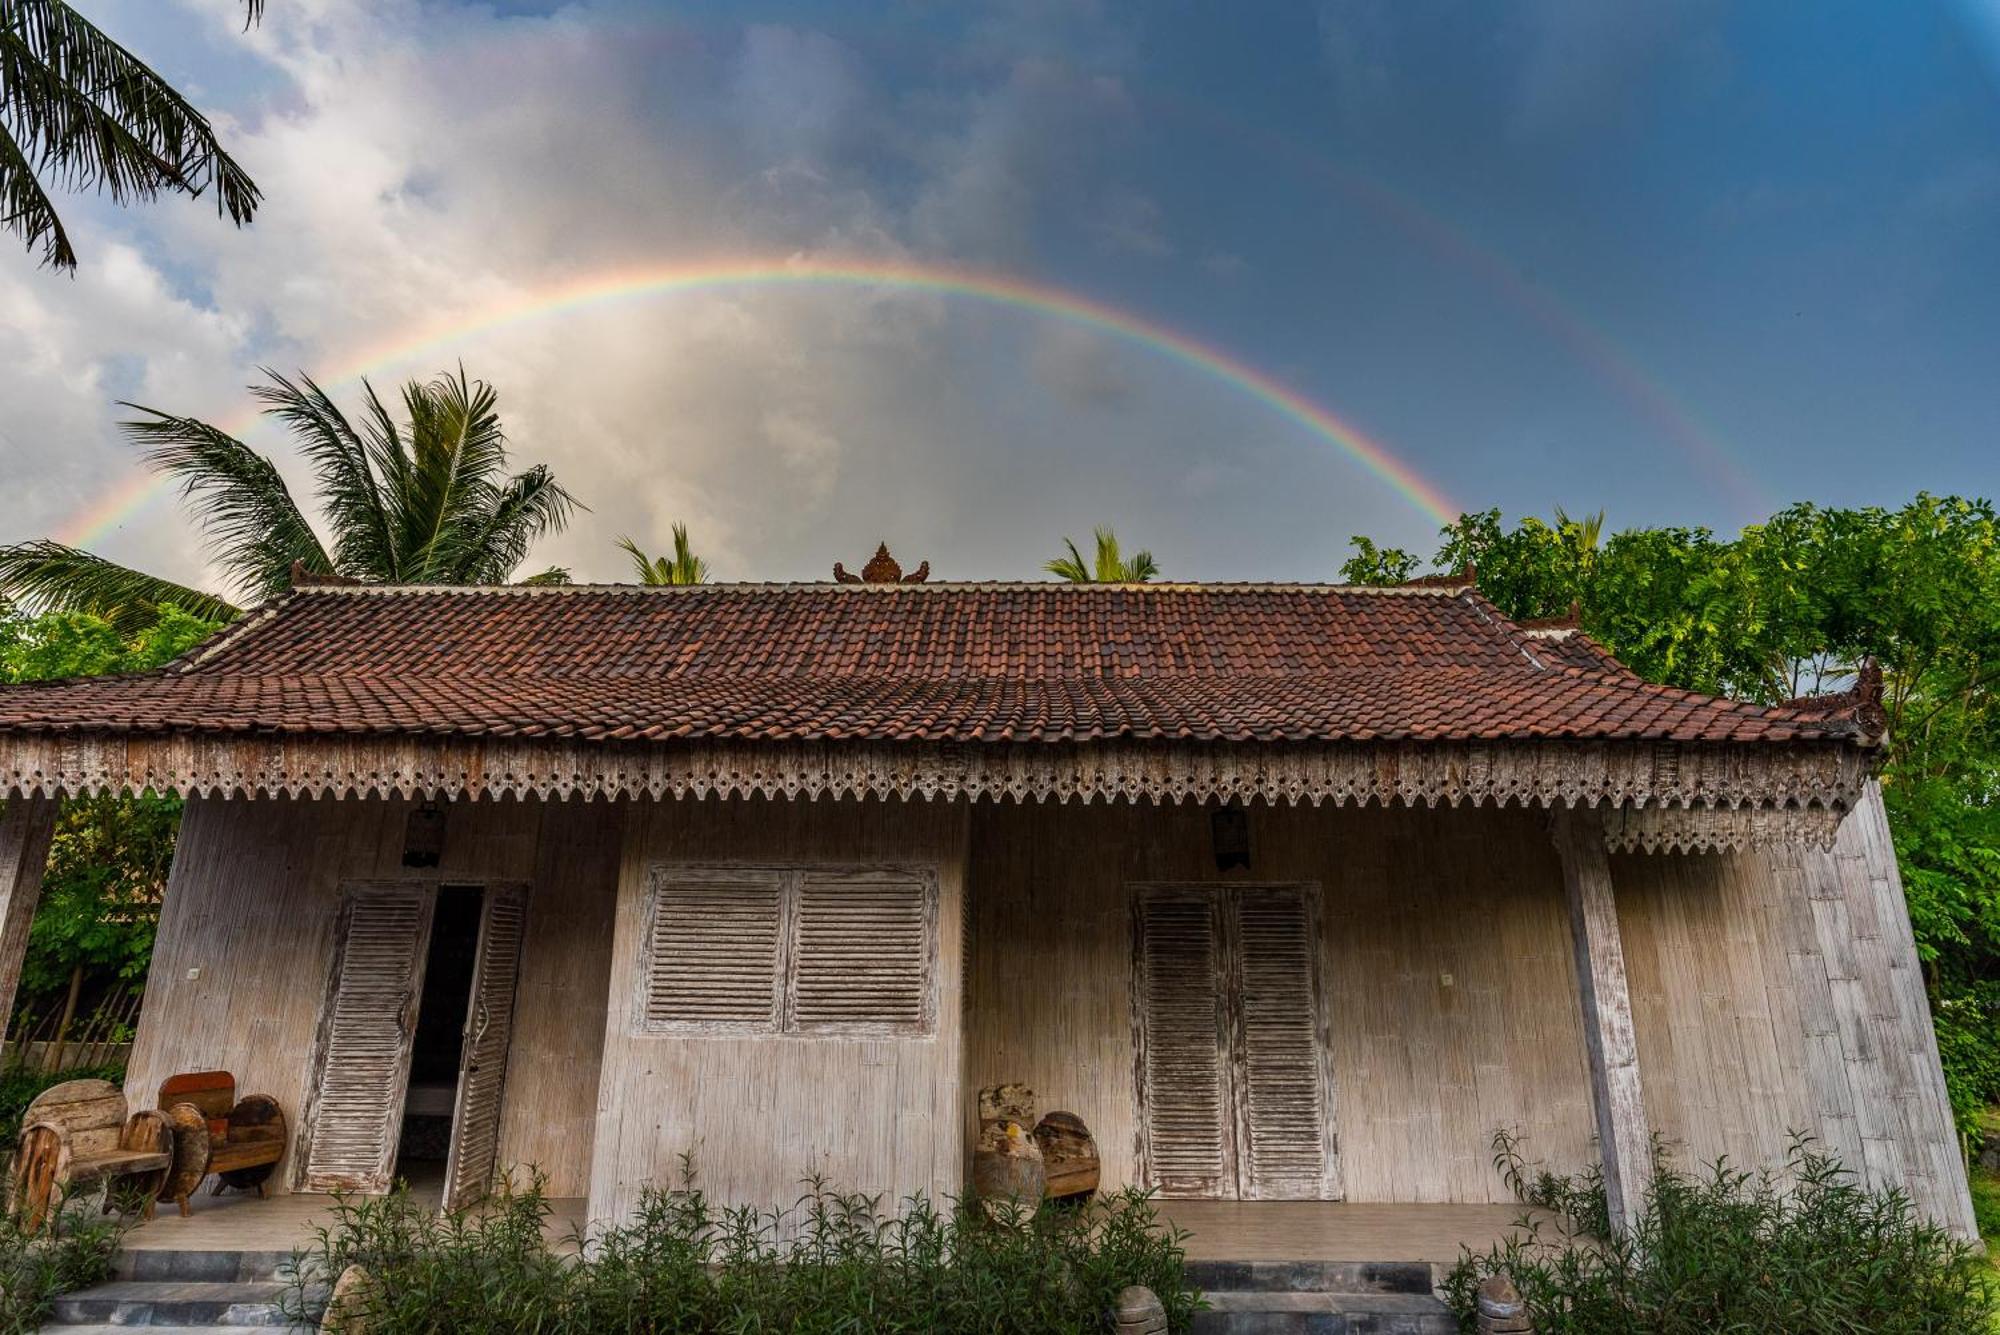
(1337, 1230)
(239, 1221)
(1222, 1230)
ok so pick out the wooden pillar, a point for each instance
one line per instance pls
(1608, 1031)
(26, 826)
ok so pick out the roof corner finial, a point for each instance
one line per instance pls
(882, 568)
(1471, 574)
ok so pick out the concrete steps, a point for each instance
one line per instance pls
(1318, 1298)
(187, 1291)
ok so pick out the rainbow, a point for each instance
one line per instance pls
(627, 285)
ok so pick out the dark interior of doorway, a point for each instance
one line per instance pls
(434, 1055)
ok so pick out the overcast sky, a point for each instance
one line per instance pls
(1685, 261)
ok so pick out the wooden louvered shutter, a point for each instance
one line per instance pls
(489, 1029)
(365, 1037)
(1282, 1118)
(862, 953)
(714, 947)
(1184, 1097)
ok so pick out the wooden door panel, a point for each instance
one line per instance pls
(489, 1030)
(1184, 1098)
(1279, 1047)
(1234, 1061)
(365, 1036)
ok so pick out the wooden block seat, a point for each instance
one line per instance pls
(238, 1141)
(78, 1132)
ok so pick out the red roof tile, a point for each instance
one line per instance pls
(966, 662)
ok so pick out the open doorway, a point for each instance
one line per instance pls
(436, 1051)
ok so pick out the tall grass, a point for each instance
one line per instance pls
(1807, 1252)
(833, 1262)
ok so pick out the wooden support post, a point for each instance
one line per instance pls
(1608, 1031)
(26, 827)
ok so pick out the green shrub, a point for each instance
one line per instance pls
(73, 1250)
(832, 1263)
(1808, 1252)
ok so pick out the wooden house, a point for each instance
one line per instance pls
(1289, 892)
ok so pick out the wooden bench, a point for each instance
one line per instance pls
(239, 1140)
(78, 1132)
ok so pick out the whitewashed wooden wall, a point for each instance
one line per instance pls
(1775, 992)
(1425, 1069)
(878, 1115)
(252, 902)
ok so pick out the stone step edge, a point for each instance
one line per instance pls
(1313, 1276)
(165, 1263)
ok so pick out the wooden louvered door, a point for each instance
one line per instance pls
(365, 1034)
(489, 1029)
(1184, 1094)
(1235, 1084)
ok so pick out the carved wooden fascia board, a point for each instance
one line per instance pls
(1680, 796)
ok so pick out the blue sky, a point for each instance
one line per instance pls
(1684, 262)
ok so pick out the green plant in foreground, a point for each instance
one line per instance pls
(72, 1250)
(1807, 1252)
(832, 1262)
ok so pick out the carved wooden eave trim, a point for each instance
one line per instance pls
(1677, 787)
(1719, 829)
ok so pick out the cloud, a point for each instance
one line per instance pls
(1081, 368)
(427, 165)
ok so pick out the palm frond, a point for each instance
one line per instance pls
(238, 497)
(650, 570)
(553, 576)
(1070, 567)
(1141, 568)
(54, 577)
(343, 462)
(86, 114)
(457, 448)
(26, 209)
(687, 567)
(529, 507)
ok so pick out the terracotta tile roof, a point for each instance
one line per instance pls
(953, 662)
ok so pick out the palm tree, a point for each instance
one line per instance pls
(1111, 568)
(1589, 529)
(427, 501)
(83, 113)
(685, 568)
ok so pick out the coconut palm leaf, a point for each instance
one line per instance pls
(529, 507)
(242, 504)
(61, 578)
(684, 568)
(80, 112)
(424, 501)
(344, 467)
(1110, 567)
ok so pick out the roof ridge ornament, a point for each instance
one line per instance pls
(882, 568)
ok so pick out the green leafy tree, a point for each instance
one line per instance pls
(80, 112)
(1792, 607)
(109, 858)
(683, 568)
(1111, 566)
(426, 500)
